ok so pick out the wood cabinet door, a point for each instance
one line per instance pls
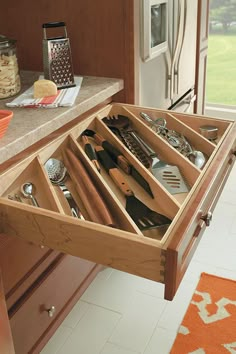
(6, 342)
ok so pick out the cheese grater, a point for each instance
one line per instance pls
(57, 61)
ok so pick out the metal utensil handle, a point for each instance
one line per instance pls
(144, 146)
(146, 117)
(73, 206)
(53, 25)
(134, 147)
(34, 201)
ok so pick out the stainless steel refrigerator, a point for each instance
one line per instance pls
(167, 61)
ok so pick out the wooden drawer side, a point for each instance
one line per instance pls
(197, 216)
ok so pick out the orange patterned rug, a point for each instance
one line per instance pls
(209, 325)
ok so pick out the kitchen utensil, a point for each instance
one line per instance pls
(168, 175)
(28, 190)
(120, 125)
(144, 217)
(119, 159)
(210, 132)
(90, 197)
(15, 197)
(18, 198)
(57, 174)
(90, 152)
(176, 140)
(57, 61)
(195, 156)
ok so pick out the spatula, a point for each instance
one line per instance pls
(168, 175)
(144, 217)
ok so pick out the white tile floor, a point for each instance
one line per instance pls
(123, 314)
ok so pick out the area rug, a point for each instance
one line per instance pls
(209, 325)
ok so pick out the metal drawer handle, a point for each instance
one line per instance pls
(207, 218)
(51, 311)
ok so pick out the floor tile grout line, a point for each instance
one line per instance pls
(78, 320)
(153, 332)
(57, 350)
(105, 308)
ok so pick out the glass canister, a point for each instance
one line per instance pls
(9, 70)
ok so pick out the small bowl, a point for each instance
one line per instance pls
(5, 117)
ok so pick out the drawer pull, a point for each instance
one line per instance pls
(207, 218)
(51, 311)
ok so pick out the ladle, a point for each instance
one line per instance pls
(195, 156)
(28, 189)
(57, 174)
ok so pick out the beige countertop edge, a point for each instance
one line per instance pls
(29, 125)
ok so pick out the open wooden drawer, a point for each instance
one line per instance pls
(161, 253)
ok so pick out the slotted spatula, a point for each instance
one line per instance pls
(144, 217)
(168, 175)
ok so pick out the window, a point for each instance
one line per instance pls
(221, 62)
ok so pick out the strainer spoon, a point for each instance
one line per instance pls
(57, 174)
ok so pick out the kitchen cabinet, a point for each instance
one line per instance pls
(107, 48)
(30, 272)
(101, 36)
(6, 342)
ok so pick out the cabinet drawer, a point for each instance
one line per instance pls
(18, 260)
(45, 302)
(158, 253)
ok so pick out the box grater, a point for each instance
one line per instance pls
(57, 61)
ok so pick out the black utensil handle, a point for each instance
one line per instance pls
(113, 171)
(53, 24)
(90, 152)
(118, 158)
(115, 154)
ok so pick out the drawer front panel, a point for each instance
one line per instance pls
(41, 308)
(17, 260)
(196, 219)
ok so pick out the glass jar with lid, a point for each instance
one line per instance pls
(9, 70)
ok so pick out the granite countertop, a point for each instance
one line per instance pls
(30, 125)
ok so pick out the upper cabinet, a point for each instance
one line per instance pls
(104, 37)
(101, 36)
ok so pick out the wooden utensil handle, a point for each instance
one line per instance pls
(93, 202)
(113, 171)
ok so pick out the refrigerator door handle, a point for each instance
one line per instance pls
(176, 69)
(168, 73)
(189, 102)
(181, 15)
